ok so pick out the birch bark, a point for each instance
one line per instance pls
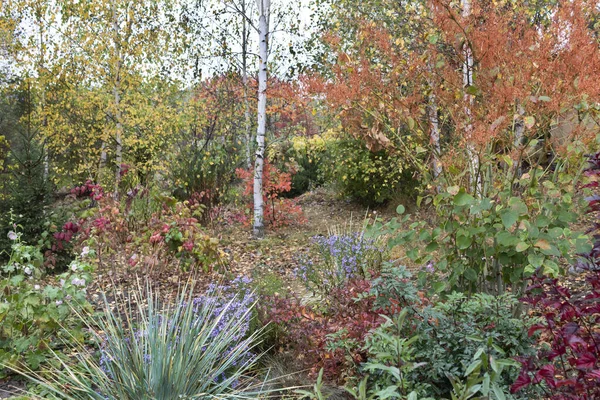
(468, 104)
(117, 100)
(263, 33)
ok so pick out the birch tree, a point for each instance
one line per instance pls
(120, 44)
(264, 8)
(468, 98)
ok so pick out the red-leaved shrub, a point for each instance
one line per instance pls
(278, 212)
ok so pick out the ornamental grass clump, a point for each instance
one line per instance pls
(195, 348)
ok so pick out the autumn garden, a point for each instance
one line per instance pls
(317, 199)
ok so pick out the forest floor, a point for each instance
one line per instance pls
(270, 261)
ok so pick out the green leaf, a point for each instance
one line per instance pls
(432, 246)
(439, 286)
(390, 392)
(498, 392)
(464, 242)
(518, 205)
(453, 190)
(32, 299)
(507, 239)
(544, 99)
(472, 367)
(411, 123)
(536, 260)
(494, 365)
(522, 246)
(555, 233)
(485, 386)
(462, 198)
(478, 353)
(470, 274)
(548, 185)
(551, 268)
(400, 209)
(472, 90)
(51, 292)
(509, 217)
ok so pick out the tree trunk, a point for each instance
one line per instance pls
(518, 139)
(263, 32)
(102, 163)
(247, 121)
(434, 136)
(468, 100)
(117, 100)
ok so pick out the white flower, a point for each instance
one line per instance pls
(62, 282)
(58, 302)
(73, 267)
(27, 270)
(12, 235)
(78, 282)
(37, 287)
(85, 251)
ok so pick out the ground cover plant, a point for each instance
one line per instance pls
(38, 315)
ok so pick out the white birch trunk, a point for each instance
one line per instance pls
(434, 136)
(102, 163)
(263, 32)
(248, 123)
(42, 77)
(117, 100)
(468, 100)
(518, 139)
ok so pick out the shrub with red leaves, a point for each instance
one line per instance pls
(88, 189)
(349, 312)
(278, 211)
(569, 364)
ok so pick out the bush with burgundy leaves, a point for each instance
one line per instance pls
(278, 211)
(567, 365)
(309, 331)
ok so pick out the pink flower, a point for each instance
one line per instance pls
(156, 238)
(12, 235)
(133, 260)
(189, 245)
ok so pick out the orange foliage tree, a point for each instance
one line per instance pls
(535, 77)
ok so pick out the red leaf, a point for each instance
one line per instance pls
(522, 381)
(574, 341)
(587, 360)
(594, 374)
(547, 373)
(534, 329)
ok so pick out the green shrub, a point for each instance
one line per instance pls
(451, 333)
(35, 318)
(493, 242)
(369, 177)
(306, 157)
(194, 348)
(205, 173)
